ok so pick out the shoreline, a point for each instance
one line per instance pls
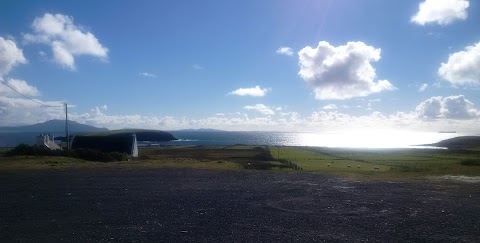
(331, 140)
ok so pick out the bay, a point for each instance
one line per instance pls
(353, 139)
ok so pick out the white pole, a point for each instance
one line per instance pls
(66, 126)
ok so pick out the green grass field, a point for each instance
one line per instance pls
(367, 162)
(425, 161)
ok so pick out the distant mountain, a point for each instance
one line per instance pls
(142, 134)
(54, 126)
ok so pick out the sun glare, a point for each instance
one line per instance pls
(372, 139)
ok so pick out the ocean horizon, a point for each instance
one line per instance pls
(356, 139)
(352, 139)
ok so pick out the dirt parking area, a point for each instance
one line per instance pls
(191, 205)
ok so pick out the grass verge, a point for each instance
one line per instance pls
(350, 163)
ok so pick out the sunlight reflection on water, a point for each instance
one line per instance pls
(384, 139)
(355, 139)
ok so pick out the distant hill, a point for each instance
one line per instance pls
(199, 130)
(142, 134)
(460, 142)
(54, 126)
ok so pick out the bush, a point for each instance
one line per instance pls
(119, 156)
(35, 150)
(470, 162)
(81, 153)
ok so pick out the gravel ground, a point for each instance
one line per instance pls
(187, 205)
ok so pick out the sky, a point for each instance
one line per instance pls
(272, 65)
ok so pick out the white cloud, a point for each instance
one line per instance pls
(463, 67)
(20, 86)
(260, 108)
(330, 107)
(286, 121)
(147, 75)
(10, 55)
(423, 87)
(66, 39)
(256, 91)
(451, 107)
(197, 67)
(285, 51)
(15, 111)
(369, 107)
(441, 12)
(454, 113)
(341, 72)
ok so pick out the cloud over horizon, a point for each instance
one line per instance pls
(17, 111)
(260, 108)
(451, 107)
(442, 12)
(341, 72)
(66, 39)
(436, 113)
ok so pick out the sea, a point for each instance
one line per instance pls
(351, 139)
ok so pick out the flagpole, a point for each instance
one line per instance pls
(66, 126)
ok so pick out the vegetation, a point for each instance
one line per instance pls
(422, 161)
(475, 162)
(35, 150)
(81, 153)
(96, 155)
(388, 164)
(248, 157)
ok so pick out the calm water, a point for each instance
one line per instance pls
(347, 140)
(383, 139)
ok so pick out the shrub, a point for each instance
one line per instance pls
(35, 150)
(119, 156)
(81, 153)
(471, 162)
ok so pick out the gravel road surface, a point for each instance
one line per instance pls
(188, 205)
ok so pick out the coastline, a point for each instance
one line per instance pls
(417, 140)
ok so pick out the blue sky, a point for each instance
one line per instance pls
(243, 65)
